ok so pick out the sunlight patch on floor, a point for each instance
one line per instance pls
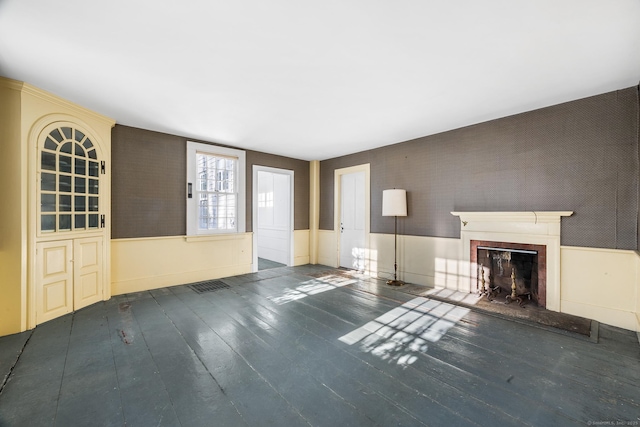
(312, 287)
(450, 294)
(402, 332)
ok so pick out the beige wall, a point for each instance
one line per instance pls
(300, 247)
(154, 262)
(601, 284)
(13, 227)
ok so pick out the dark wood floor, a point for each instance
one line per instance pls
(306, 346)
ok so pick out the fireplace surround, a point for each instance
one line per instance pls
(537, 228)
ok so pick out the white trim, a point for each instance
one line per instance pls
(192, 149)
(254, 216)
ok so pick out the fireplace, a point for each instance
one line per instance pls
(516, 230)
(511, 271)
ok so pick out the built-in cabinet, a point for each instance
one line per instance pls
(56, 206)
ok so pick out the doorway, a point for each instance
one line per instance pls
(352, 217)
(272, 217)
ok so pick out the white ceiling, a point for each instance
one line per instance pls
(318, 79)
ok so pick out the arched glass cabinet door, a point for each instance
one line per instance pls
(69, 167)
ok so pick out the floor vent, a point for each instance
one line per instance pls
(209, 286)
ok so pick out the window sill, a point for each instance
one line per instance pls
(214, 237)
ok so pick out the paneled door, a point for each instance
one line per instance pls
(352, 221)
(54, 267)
(87, 271)
(69, 276)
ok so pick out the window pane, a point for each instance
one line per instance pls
(93, 186)
(64, 203)
(92, 154)
(48, 161)
(93, 168)
(79, 136)
(67, 147)
(87, 144)
(65, 222)
(80, 185)
(80, 167)
(67, 132)
(48, 181)
(64, 183)
(79, 151)
(48, 222)
(50, 144)
(79, 203)
(48, 202)
(56, 135)
(64, 164)
(80, 221)
(93, 204)
(93, 220)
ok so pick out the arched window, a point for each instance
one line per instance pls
(69, 182)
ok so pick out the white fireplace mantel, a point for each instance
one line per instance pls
(530, 227)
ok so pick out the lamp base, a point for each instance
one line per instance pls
(395, 282)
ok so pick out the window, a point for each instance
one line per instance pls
(216, 189)
(69, 182)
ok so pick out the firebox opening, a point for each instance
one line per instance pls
(501, 266)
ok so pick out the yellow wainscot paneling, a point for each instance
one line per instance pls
(600, 284)
(327, 249)
(300, 247)
(150, 263)
(429, 261)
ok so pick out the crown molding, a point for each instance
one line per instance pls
(28, 89)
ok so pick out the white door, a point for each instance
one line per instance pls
(273, 215)
(352, 220)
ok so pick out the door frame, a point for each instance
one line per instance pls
(254, 211)
(337, 209)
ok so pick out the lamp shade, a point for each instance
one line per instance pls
(394, 202)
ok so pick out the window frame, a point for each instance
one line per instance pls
(193, 148)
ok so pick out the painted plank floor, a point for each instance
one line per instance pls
(306, 346)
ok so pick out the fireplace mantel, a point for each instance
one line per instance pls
(529, 222)
(531, 227)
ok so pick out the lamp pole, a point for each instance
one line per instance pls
(395, 248)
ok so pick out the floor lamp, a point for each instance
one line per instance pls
(394, 203)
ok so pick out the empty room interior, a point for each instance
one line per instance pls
(319, 213)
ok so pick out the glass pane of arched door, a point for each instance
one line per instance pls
(69, 182)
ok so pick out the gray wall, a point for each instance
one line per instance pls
(149, 183)
(580, 156)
